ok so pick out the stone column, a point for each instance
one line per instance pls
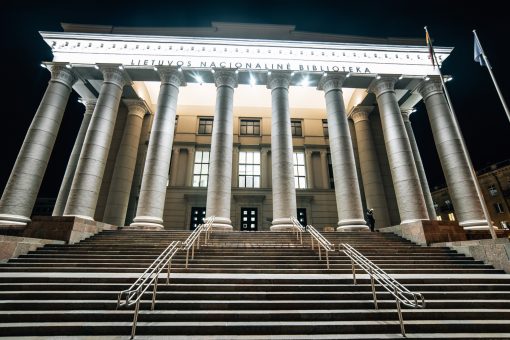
(284, 192)
(419, 166)
(151, 203)
(140, 162)
(122, 177)
(220, 165)
(190, 166)
(21, 190)
(174, 167)
(348, 197)
(235, 167)
(309, 166)
(65, 187)
(370, 170)
(264, 174)
(454, 161)
(324, 169)
(410, 201)
(82, 199)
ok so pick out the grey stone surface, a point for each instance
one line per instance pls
(282, 170)
(21, 190)
(14, 246)
(410, 200)
(140, 162)
(419, 166)
(347, 191)
(454, 161)
(370, 170)
(65, 187)
(118, 196)
(151, 203)
(82, 199)
(220, 163)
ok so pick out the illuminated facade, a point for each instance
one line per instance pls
(251, 124)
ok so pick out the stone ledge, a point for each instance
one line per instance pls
(14, 246)
(427, 232)
(70, 229)
(492, 252)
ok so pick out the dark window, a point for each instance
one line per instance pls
(301, 216)
(325, 127)
(330, 173)
(499, 208)
(249, 219)
(205, 126)
(250, 127)
(295, 126)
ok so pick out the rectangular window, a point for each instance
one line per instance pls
(249, 169)
(439, 218)
(299, 170)
(205, 126)
(250, 127)
(499, 208)
(451, 216)
(492, 190)
(295, 126)
(325, 130)
(330, 173)
(201, 169)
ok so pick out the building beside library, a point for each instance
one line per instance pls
(252, 124)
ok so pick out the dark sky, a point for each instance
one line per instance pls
(481, 116)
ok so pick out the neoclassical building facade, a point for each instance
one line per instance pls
(252, 124)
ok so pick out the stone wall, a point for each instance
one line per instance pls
(427, 232)
(14, 246)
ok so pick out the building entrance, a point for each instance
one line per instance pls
(249, 220)
(301, 216)
(197, 217)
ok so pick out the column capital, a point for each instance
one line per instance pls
(278, 79)
(429, 87)
(171, 76)
(331, 82)
(90, 105)
(382, 85)
(62, 74)
(113, 75)
(406, 114)
(360, 113)
(136, 107)
(225, 77)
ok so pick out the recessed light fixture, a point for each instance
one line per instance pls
(378, 77)
(43, 65)
(96, 67)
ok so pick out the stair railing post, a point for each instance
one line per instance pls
(327, 258)
(353, 272)
(320, 255)
(193, 251)
(154, 293)
(135, 319)
(372, 282)
(187, 255)
(168, 272)
(400, 318)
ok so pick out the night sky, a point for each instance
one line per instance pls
(481, 116)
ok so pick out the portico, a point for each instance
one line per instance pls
(271, 126)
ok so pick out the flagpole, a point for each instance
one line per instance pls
(464, 148)
(492, 76)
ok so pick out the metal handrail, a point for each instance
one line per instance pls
(402, 295)
(315, 236)
(297, 228)
(150, 276)
(194, 238)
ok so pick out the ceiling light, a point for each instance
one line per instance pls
(378, 77)
(43, 65)
(96, 67)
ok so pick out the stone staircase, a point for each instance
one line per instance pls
(249, 285)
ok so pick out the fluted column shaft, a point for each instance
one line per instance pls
(419, 166)
(324, 169)
(151, 203)
(284, 192)
(347, 192)
(410, 201)
(21, 191)
(122, 177)
(89, 173)
(140, 162)
(220, 165)
(65, 187)
(370, 170)
(454, 161)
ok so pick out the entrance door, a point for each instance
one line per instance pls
(249, 220)
(301, 216)
(197, 217)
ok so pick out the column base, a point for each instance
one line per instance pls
(352, 225)
(474, 225)
(222, 224)
(14, 219)
(282, 224)
(147, 223)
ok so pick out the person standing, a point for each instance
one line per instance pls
(369, 217)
